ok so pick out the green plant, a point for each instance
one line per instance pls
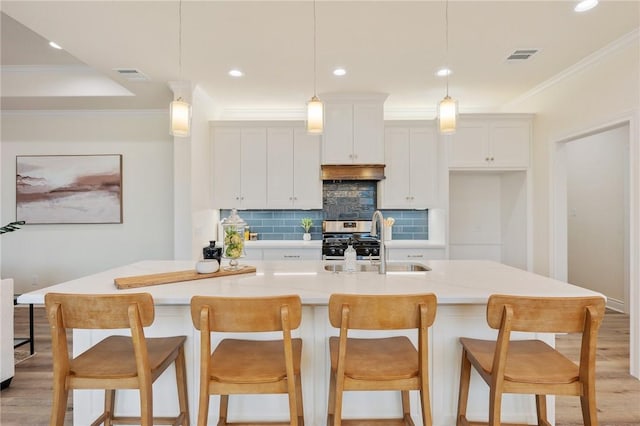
(306, 223)
(10, 227)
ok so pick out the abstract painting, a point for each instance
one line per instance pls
(69, 188)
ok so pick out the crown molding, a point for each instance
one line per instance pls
(587, 62)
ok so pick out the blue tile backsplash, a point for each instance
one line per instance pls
(342, 200)
(285, 224)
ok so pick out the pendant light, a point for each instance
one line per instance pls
(180, 110)
(448, 107)
(315, 113)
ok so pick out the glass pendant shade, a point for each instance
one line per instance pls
(447, 115)
(315, 116)
(180, 113)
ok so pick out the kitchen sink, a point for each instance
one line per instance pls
(368, 267)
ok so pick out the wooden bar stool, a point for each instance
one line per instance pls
(117, 362)
(249, 366)
(532, 366)
(384, 363)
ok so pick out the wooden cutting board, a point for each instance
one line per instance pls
(174, 277)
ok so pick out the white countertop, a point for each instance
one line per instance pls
(453, 281)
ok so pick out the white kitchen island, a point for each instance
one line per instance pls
(462, 288)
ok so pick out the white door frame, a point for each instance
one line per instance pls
(558, 261)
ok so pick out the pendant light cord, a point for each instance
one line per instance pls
(314, 49)
(180, 40)
(446, 42)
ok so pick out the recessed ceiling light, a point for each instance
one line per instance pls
(585, 5)
(443, 72)
(55, 45)
(339, 72)
(236, 73)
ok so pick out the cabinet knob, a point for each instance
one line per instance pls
(491, 158)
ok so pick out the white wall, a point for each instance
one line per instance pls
(37, 256)
(596, 94)
(597, 171)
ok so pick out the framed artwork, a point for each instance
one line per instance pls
(69, 188)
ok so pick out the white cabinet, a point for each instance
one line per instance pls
(353, 130)
(265, 165)
(499, 143)
(416, 254)
(412, 167)
(293, 169)
(292, 254)
(239, 167)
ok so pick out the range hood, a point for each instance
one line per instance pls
(352, 171)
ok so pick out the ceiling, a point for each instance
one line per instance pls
(393, 47)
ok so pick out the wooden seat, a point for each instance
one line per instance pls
(380, 363)
(249, 366)
(117, 362)
(532, 366)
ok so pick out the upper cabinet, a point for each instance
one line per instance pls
(353, 129)
(265, 165)
(239, 167)
(293, 169)
(412, 166)
(490, 142)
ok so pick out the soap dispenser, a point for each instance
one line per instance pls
(350, 258)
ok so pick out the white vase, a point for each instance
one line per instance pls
(306, 236)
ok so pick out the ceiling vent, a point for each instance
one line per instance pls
(131, 74)
(522, 54)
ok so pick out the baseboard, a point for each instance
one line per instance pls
(615, 305)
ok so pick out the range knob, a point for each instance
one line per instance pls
(374, 252)
(340, 252)
(367, 251)
(332, 251)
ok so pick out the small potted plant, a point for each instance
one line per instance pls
(306, 223)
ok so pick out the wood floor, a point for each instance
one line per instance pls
(28, 400)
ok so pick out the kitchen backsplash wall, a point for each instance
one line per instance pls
(349, 200)
(285, 224)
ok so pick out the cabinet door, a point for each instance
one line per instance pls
(411, 159)
(307, 185)
(226, 167)
(292, 254)
(416, 255)
(509, 144)
(368, 133)
(337, 138)
(280, 180)
(254, 168)
(397, 183)
(423, 163)
(468, 147)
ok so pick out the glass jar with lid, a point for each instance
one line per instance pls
(233, 244)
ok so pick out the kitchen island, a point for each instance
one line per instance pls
(462, 288)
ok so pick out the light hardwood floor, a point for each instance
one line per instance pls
(28, 400)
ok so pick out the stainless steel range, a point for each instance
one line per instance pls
(336, 235)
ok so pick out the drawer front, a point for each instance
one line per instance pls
(292, 254)
(416, 255)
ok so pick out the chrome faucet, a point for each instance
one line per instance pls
(377, 216)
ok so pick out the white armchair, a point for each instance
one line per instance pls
(7, 365)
